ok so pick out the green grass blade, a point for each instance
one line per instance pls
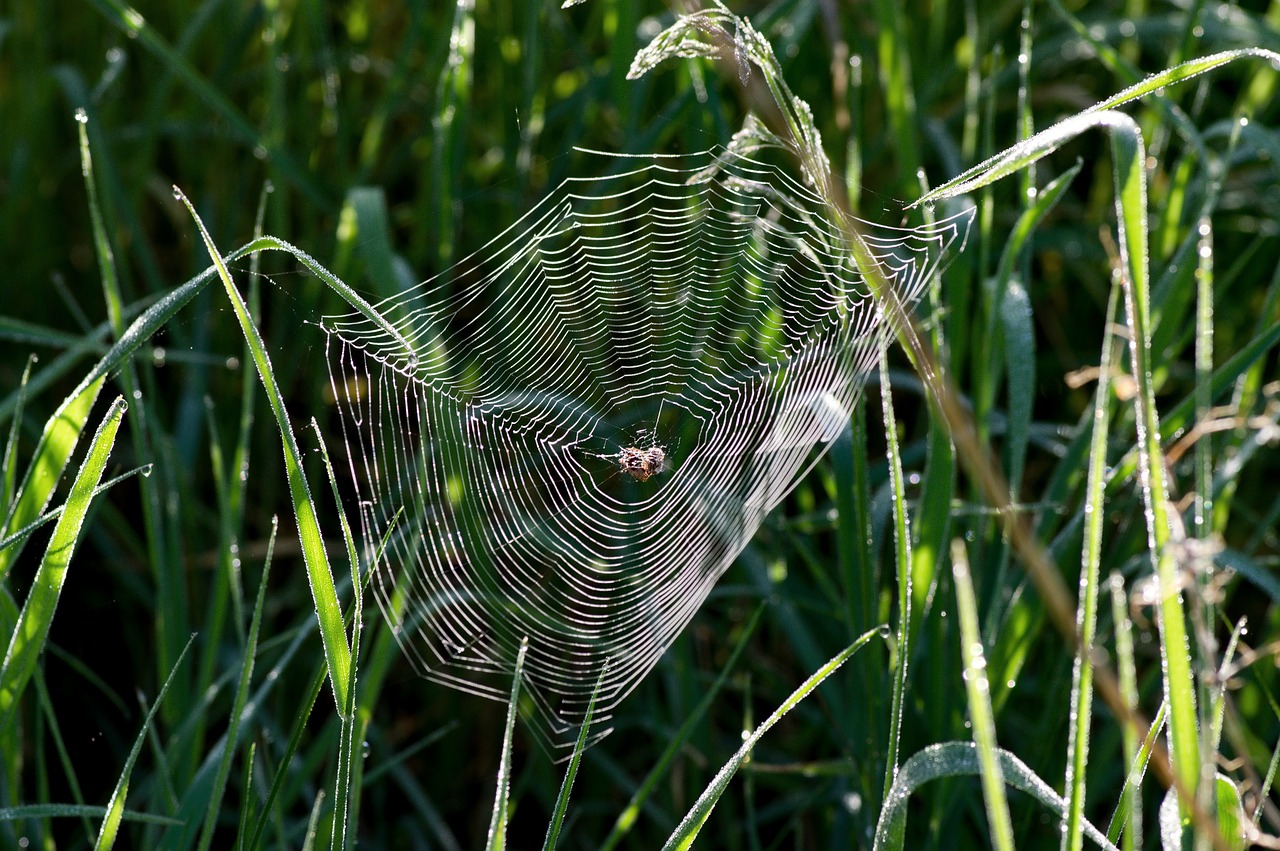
(320, 576)
(902, 564)
(687, 831)
(32, 628)
(497, 837)
(979, 693)
(115, 807)
(57, 442)
(41, 811)
(1130, 796)
(571, 772)
(1019, 156)
(1087, 612)
(237, 706)
(1129, 166)
(955, 759)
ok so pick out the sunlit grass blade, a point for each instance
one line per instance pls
(497, 837)
(687, 831)
(115, 807)
(29, 634)
(627, 818)
(1128, 811)
(902, 563)
(1081, 715)
(57, 442)
(1019, 156)
(319, 574)
(1129, 168)
(955, 759)
(250, 649)
(979, 693)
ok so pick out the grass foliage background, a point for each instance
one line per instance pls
(399, 137)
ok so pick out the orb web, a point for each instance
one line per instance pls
(594, 413)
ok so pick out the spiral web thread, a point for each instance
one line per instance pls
(701, 306)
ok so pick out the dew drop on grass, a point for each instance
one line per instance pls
(884, 631)
(81, 115)
(177, 193)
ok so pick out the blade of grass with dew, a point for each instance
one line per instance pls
(1081, 715)
(1019, 156)
(1128, 163)
(42, 811)
(32, 628)
(497, 837)
(687, 831)
(1128, 810)
(115, 807)
(250, 650)
(319, 574)
(955, 759)
(979, 693)
(20, 535)
(1129, 168)
(627, 818)
(902, 570)
(57, 442)
(245, 817)
(571, 771)
(353, 723)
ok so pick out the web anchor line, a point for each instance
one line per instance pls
(570, 435)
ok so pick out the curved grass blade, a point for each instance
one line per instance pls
(32, 628)
(498, 824)
(687, 831)
(954, 759)
(319, 575)
(1046, 141)
(115, 807)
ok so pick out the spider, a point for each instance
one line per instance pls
(642, 463)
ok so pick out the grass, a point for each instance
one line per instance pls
(1063, 516)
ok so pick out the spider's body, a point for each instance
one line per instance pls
(642, 463)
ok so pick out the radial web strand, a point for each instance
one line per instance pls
(597, 410)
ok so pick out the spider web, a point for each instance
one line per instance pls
(702, 306)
